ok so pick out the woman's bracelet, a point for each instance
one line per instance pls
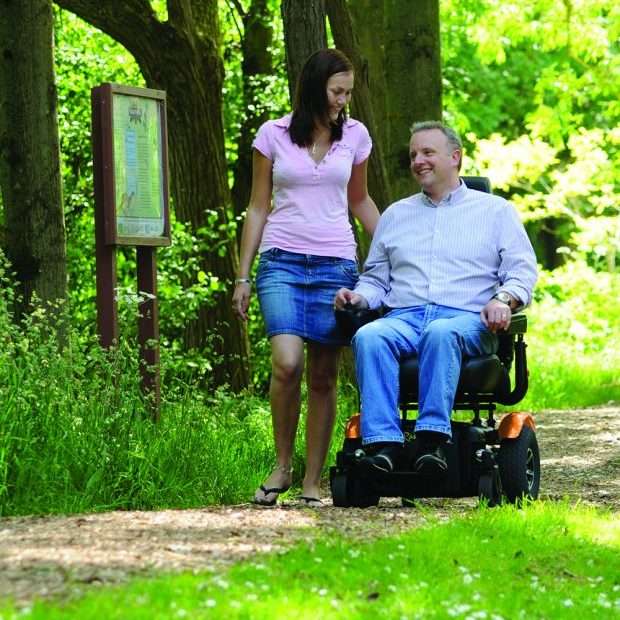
(243, 281)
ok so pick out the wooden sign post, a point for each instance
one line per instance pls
(130, 158)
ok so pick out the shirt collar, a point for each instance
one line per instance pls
(452, 198)
(285, 121)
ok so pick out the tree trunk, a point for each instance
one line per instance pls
(256, 65)
(362, 105)
(30, 152)
(181, 56)
(368, 26)
(413, 79)
(304, 34)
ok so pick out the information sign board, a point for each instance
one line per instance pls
(135, 165)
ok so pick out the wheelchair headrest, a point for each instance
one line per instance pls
(482, 184)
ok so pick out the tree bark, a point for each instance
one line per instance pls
(368, 19)
(304, 34)
(361, 104)
(181, 56)
(255, 65)
(30, 153)
(413, 80)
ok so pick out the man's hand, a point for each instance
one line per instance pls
(345, 296)
(496, 315)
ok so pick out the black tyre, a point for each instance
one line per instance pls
(519, 466)
(351, 491)
(340, 496)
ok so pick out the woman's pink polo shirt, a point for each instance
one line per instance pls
(310, 210)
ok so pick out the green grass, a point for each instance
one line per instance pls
(557, 384)
(547, 560)
(83, 443)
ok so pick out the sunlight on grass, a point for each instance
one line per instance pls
(588, 525)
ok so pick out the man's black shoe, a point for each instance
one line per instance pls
(384, 459)
(431, 461)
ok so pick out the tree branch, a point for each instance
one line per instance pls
(232, 6)
(129, 22)
(237, 5)
(203, 13)
(179, 13)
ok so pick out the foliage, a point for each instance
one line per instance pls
(75, 433)
(561, 561)
(579, 185)
(562, 165)
(534, 89)
(574, 338)
(100, 59)
(271, 90)
(565, 54)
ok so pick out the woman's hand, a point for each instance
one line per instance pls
(241, 299)
(346, 297)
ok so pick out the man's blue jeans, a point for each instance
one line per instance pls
(441, 337)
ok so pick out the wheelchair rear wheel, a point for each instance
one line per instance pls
(519, 466)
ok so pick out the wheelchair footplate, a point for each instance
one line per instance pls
(469, 457)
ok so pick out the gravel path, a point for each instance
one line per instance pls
(52, 556)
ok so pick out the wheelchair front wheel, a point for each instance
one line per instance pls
(490, 488)
(349, 491)
(519, 466)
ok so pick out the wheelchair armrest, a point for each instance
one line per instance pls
(518, 324)
(350, 319)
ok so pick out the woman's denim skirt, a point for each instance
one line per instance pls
(296, 293)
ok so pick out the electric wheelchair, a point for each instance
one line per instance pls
(492, 461)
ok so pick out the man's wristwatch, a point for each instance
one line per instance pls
(505, 298)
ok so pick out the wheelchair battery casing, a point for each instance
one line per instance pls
(460, 480)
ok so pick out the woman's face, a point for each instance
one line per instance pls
(339, 89)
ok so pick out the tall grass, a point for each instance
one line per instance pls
(75, 435)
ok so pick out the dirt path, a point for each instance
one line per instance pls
(44, 556)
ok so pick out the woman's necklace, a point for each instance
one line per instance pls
(316, 145)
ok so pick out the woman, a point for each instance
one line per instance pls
(314, 161)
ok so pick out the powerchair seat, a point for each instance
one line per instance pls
(494, 462)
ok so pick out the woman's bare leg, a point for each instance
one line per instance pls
(322, 379)
(287, 365)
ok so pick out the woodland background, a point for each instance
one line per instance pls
(533, 89)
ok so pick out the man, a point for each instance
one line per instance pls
(449, 264)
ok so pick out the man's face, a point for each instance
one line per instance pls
(434, 161)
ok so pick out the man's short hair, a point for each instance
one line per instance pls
(453, 137)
